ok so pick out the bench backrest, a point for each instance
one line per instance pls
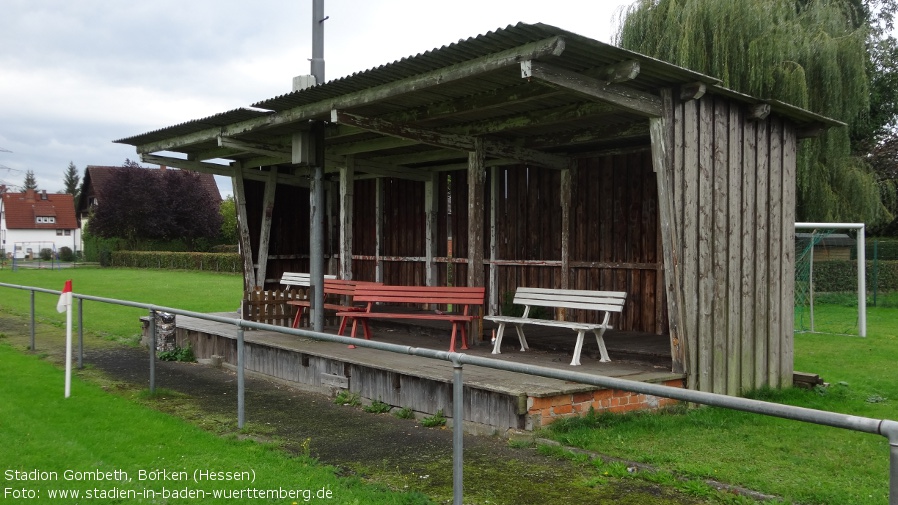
(339, 287)
(438, 295)
(300, 279)
(608, 301)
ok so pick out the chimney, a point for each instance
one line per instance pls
(162, 167)
(29, 195)
(43, 194)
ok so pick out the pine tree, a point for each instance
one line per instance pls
(30, 181)
(812, 54)
(71, 180)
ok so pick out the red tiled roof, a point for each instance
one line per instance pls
(23, 209)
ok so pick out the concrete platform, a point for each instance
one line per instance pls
(495, 400)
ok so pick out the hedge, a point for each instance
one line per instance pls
(165, 260)
(830, 276)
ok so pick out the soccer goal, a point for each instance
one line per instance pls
(823, 305)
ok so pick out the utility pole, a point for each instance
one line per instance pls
(316, 195)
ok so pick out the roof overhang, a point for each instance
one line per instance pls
(533, 95)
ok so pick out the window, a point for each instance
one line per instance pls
(45, 220)
(58, 233)
(67, 233)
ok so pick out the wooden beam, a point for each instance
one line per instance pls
(264, 148)
(662, 143)
(265, 228)
(431, 210)
(493, 303)
(692, 91)
(551, 46)
(632, 100)
(378, 229)
(451, 141)
(758, 112)
(620, 72)
(246, 249)
(368, 145)
(195, 166)
(476, 179)
(347, 184)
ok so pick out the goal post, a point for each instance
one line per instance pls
(861, 266)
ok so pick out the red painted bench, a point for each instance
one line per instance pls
(462, 299)
(334, 288)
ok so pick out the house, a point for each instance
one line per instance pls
(832, 247)
(98, 178)
(36, 220)
(571, 164)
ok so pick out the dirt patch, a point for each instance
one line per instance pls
(399, 453)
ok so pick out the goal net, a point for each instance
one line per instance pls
(830, 290)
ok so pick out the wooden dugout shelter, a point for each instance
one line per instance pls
(545, 159)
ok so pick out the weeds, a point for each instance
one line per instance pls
(377, 407)
(344, 397)
(405, 413)
(435, 420)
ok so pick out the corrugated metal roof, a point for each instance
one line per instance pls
(402, 98)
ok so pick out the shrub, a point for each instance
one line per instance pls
(46, 254)
(66, 254)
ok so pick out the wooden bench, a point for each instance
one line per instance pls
(340, 293)
(301, 279)
(602, 301)
(462, 299)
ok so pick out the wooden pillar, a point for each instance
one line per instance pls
(476, 179)
(661, 131)
(565, 190)
(378, 228)
(265, 230)
(246, 248)
(431, 209)
(347, 183)
(493, 303)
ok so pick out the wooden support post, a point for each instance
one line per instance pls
(661, 131)
(493, 305)
(265, 229)
(476, 179)
(347, 183)
(565, 188)
(431, 209)
(246, 248)
(378, 228)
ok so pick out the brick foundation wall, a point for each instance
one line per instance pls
(542, 411)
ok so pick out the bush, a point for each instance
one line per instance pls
(206, 262)
(66, 254)
(46, 254)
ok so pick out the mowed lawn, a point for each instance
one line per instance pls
(196, 291)
(111, 450)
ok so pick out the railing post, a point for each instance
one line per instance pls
(241, 417)
(80, 333)
(152, 351)
(32, 321)
(458, 432)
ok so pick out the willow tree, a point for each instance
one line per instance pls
(811, 54)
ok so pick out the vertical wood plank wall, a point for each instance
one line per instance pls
(734, 190)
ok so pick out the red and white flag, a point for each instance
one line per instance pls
(65, 298)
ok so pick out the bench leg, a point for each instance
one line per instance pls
(601, 342)
(578, 348)
(521, 337)
(299, 312)
(497, 344)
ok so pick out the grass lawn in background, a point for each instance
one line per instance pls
(111, 450)
(196, 291)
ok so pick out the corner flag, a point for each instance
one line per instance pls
(65, 305)
(65, 298)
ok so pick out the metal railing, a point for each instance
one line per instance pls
(884, 427)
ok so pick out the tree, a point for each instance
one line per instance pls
(30, 181)
(144, 204)
(810, 53)
(228, 234)
(70, 180)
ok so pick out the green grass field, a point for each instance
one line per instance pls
(58, 445)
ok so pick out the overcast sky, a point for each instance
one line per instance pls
(76, 75)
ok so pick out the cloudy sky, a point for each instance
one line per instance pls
(76, 75)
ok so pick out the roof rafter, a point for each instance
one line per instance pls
(632, 100)
(452, 141)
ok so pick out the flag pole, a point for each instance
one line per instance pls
(65, 304)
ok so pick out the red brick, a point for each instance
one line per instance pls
(562, 409)
(583, 397)
(602, 394)
(539, 403)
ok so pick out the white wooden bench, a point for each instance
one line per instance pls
(602, 301)
(302, 280)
